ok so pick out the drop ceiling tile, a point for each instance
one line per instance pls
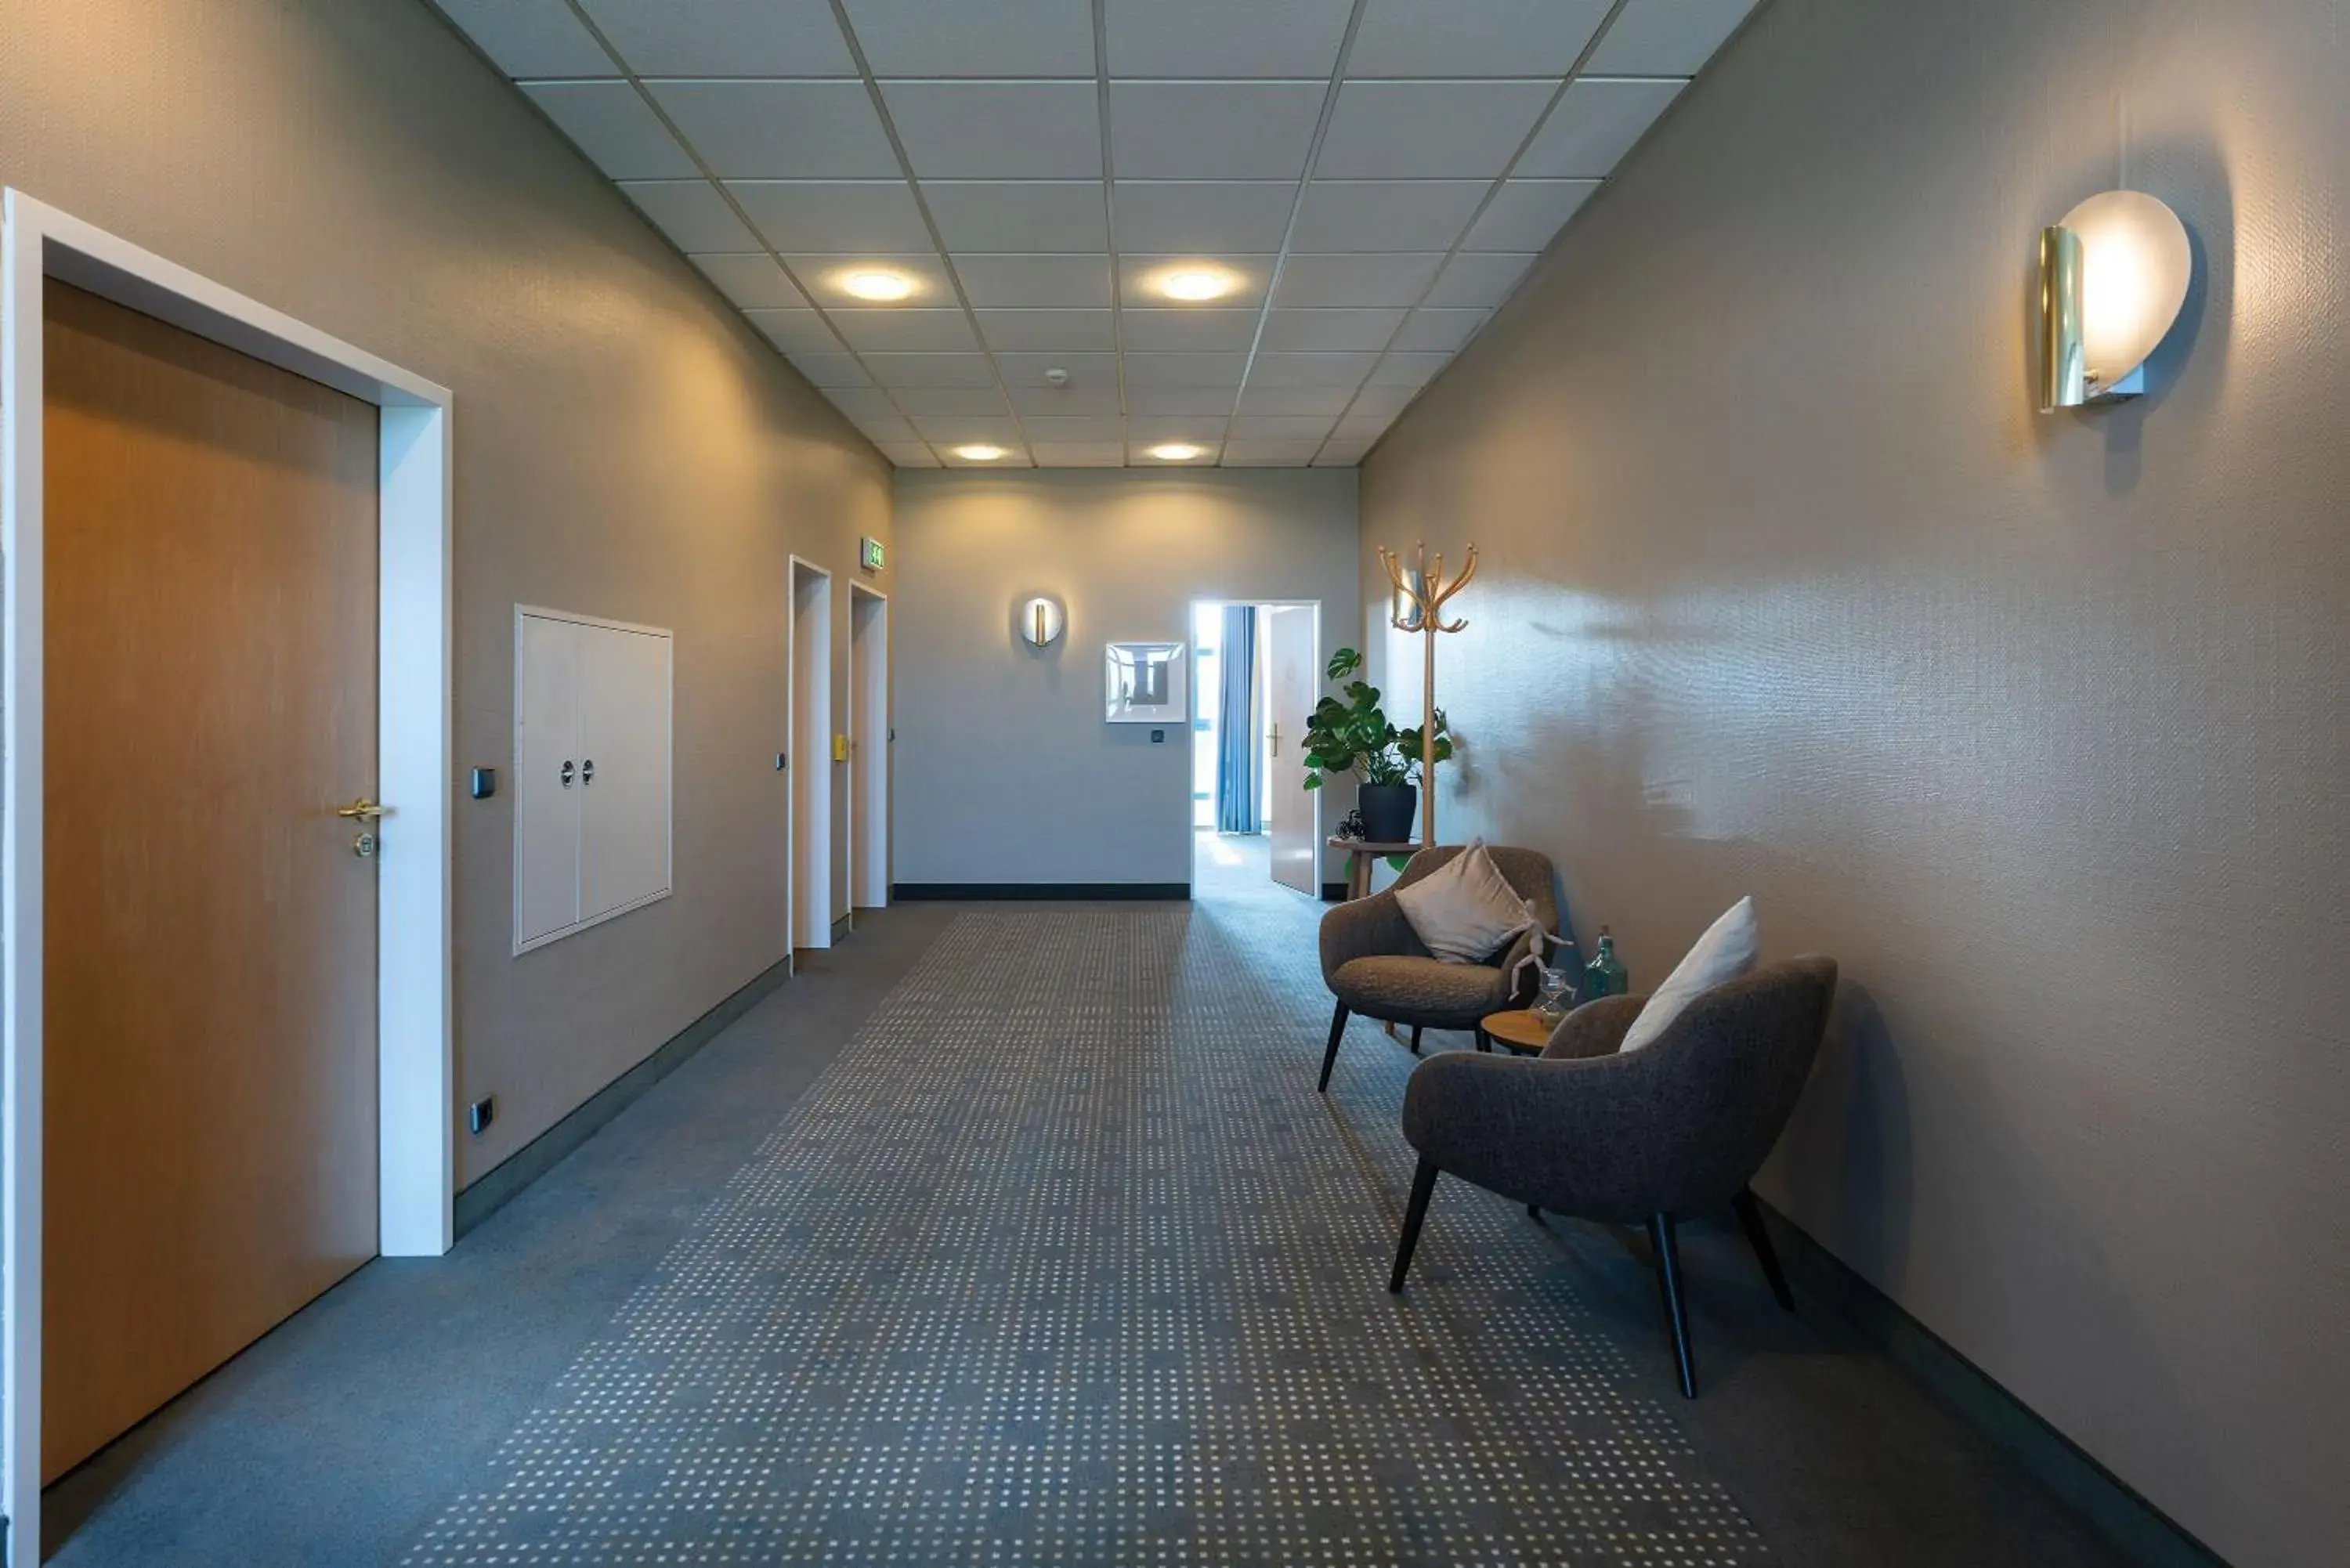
(1395, 279)
(1273, 427)
(1138, 454)
(909, 455)
(1441, 329)
(931, 369)
(1346, 328)
(917, 402)
(1152, 369)
(753, 281)
(1401, 369)
(998, 429)
(1310, 369)
(1270, 453)
(1053, 429)
(1212, 129)
(1474, 37)
(780, 130)
(1667, 37)
(1354, 431)
(1379, 405)
(531, 37)
(1020, 214)
(895, 329)
(861, 404)
(1336, 456)
(821, 275)
(834, 214)
(1048, 329)
(1139, 275)
(1039, 281)
(1001, 38)
(1429, 131)
(1526, 215)
(1595, 124)
(1014, 457)
(1480, 279)
(1196, 330)
(1170, 216)
(1224, 38)
(997, 131)
(1327, 401)
(1066, 402)
(828, 371)
(724, 38)
(1026, 369)
(1386, 216)
(691, 214)
(1161, 402)
(1085, 454)
(794, 331)
(887, 428)
(610, 124)
(1199, 430)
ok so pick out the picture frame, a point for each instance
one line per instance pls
(1146, 683)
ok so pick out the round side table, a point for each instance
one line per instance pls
(1518, 1030)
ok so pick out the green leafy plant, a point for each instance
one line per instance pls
(1353, 734)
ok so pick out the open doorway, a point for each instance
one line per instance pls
(868, 747)
(810, 760)
(1254, 826)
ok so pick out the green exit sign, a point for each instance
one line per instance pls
(871, 554)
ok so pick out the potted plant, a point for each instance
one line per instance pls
(1355, 736)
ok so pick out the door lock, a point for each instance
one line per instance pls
(364, 846)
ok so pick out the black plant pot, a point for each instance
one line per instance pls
(1388, 811)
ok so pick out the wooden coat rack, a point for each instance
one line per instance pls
(1427, 593)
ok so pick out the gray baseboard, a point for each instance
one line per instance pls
(983, 892)
(494, 1189)
(2140, 1532)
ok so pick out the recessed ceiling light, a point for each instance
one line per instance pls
(1177, 451)
(979, 451)
(873, 283)
(1193, 285)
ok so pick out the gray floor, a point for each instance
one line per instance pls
(1017, 1234)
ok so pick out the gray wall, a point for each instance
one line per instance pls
(625, 446)
(1005, 771)
(2037, 723)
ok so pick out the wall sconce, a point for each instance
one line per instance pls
(1041, 620)
(2113, 278)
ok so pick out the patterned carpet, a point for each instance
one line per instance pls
(1064, 1263)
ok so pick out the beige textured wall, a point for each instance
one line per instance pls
(625, 446)
(1005, 771)
(2038, 724)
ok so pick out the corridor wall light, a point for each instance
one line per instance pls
(2113, 278)
(1041, 620)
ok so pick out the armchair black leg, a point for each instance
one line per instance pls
(1750, 1215)
(1668, 1281)
(1423, 1183)
(1415, 1039)
(1484, 1041)
(1330, 1056)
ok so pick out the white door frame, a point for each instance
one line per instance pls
(415, 1121)
(868, 767)
(800, 766)
(1321, 854)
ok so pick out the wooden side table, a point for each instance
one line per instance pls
(1360, 852)
(1517, 1029)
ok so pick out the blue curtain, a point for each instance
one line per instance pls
(1238, 795)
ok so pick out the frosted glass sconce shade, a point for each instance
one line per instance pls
(2113, 278)
(1041, 620)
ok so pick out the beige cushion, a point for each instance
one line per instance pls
(1725, 951)
(1465, 910)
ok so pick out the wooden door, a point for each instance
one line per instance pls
(209, 1128)
(1294, 828)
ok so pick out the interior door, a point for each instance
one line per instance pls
(1294, 828)
(209, 1117)
(624, 754)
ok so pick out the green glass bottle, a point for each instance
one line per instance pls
(1605, 975)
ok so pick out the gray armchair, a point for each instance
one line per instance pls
(1676, 1127)
(1374, 965)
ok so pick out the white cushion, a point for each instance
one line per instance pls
(1725, 951)
(1464, 911)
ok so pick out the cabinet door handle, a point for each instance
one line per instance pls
(587, 771)
(566, 773)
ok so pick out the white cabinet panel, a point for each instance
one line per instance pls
(624, 742)
(591, 767)
(545, 777)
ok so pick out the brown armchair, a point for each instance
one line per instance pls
(1376, 965)
(1676, 1127)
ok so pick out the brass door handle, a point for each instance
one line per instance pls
(362, 810)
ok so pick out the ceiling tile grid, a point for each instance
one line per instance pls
(1088, 232)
